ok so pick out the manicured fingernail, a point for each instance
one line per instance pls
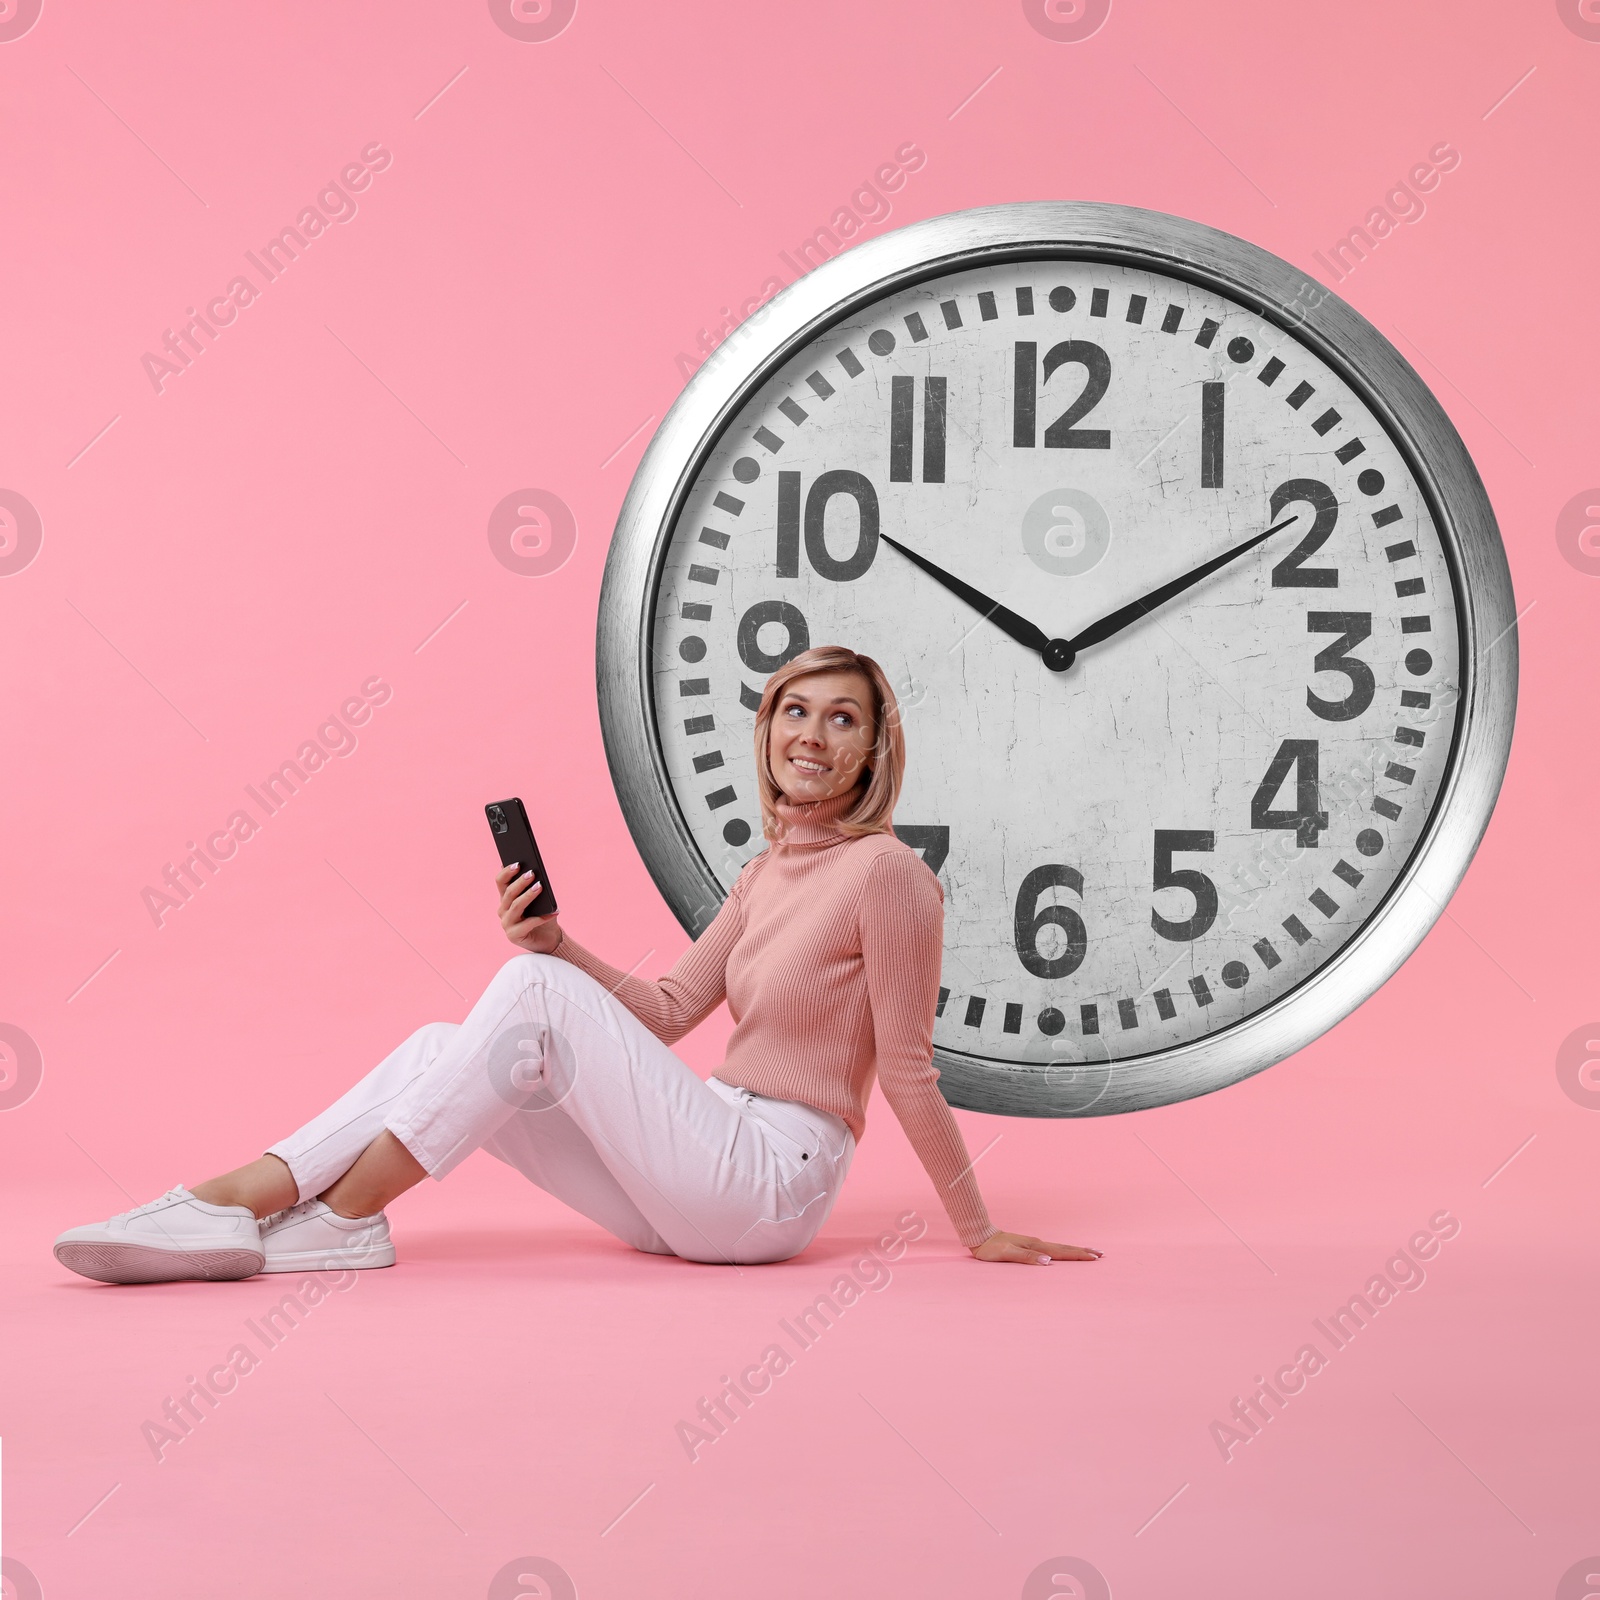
(1044, 1258)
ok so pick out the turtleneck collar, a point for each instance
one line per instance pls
(813, 824)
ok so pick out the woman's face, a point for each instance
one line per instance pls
(821, 736)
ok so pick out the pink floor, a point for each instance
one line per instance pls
(563, 228)
(515, 1387)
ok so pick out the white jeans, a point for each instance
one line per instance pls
(556, 1077)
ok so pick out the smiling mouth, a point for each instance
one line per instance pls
(811, 769)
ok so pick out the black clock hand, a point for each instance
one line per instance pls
(1099, 632)
(1019, 628)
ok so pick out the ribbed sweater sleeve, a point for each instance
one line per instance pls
(670, 1006)
(902, 943)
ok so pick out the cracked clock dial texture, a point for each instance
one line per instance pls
(1171, 834)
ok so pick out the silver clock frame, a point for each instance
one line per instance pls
(1205, 256)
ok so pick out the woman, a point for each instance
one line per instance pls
(827, 948)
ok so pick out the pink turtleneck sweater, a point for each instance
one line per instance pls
(827, 951)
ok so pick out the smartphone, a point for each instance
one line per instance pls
(509, 824)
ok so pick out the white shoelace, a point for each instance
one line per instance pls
(176, 1192)
(299, 1209)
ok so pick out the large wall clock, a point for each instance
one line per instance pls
(1182, 830)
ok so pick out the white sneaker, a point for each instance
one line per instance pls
(171, 1238)
(311, 1237)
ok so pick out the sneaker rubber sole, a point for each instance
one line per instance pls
(330, 1260)
(140, 1263)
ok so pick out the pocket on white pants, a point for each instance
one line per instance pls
(812, 1161)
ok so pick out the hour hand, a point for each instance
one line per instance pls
(1019, 628)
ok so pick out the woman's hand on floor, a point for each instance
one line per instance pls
(1025, 1249)
(518, 890)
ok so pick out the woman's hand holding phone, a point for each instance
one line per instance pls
(518, 890)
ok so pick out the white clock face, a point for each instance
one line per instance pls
(1185, 824)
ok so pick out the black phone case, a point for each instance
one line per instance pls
(514, 839)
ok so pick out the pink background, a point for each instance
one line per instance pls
(307, 506)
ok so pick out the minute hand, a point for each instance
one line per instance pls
(1099, 632)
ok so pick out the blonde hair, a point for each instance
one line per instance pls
(886, 767)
